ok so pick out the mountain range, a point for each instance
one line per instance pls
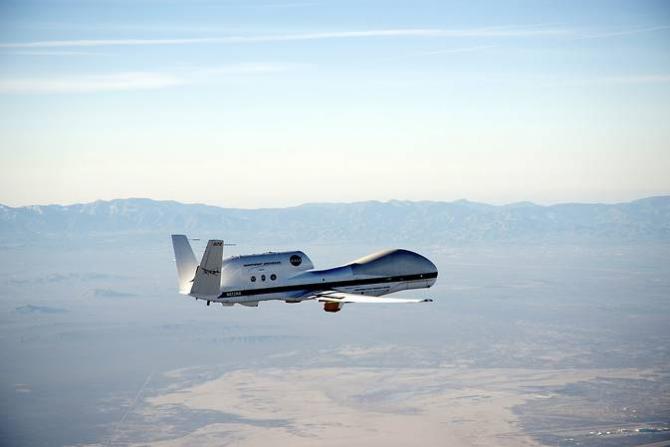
(423, 222)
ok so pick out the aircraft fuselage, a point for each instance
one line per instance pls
(291, 277)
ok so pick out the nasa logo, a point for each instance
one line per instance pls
(295, 260)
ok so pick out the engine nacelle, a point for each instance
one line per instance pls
(332, 307)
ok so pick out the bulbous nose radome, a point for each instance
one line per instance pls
(396, 262)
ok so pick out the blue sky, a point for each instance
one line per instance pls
(275, 103)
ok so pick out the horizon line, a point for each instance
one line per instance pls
(462, 200)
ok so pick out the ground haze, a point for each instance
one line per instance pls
(536, 342)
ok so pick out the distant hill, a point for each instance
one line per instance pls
(395, 221)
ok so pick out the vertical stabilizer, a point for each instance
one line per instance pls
(207, 282)
(186, 263)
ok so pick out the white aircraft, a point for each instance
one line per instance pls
(291, 277)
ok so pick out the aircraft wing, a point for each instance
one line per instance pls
(339, 297)
(331, 296)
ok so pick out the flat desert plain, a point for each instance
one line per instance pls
(350, 406)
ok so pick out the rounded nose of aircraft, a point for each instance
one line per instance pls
(427, 267)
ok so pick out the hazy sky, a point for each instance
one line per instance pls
(280, 102)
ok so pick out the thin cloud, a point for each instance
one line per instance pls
(637, 79)
(88, 84)
(623, 32)
(588, 82)
(409, 32)
(56, 53)
(444, 51)
(457, 50)
(605, 80)
(133, 80)
(246, 69)
(287, 5)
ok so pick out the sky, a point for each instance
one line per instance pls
(271, 103)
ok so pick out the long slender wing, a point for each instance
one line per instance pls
(330, 296)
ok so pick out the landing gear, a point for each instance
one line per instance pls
(208, 302)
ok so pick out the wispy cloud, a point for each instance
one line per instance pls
(87, 84)
(58, 53)
(457, 50)
(287, 5)
(244, 69)
(132, 80)
(637, 79)
(622, 32)
(444, 51)
(380, 33)
(557, 81)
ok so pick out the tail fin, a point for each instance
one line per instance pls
(207, 282)
(186, 263)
